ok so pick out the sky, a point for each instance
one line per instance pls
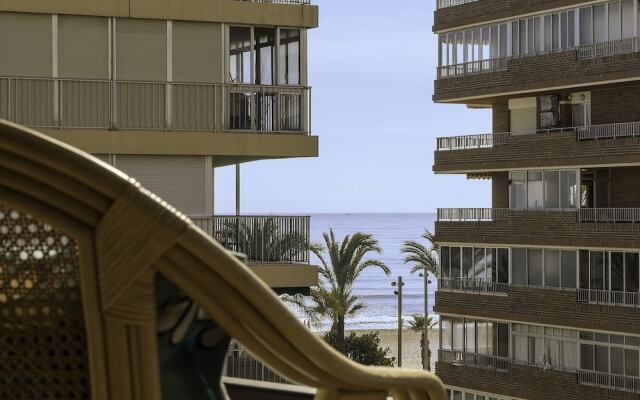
(371, 65)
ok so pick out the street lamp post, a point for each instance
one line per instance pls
(426, 360)
(399, 284)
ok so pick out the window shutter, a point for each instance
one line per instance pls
(83, 47)
(141, 49)
(197, 52)
(31, 55)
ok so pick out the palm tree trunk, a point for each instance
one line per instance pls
(340, 333)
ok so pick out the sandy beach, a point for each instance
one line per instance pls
(411, 357)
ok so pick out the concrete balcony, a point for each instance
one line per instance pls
(239, 122)
(573, 146)
(589, 228)
(276, 247)
(529, 382)
(486, 79)
(540, 305)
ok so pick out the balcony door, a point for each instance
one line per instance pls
(522, 113)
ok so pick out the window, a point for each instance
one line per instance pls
(239, 54)
(544, 346)
(543, 189)
(479, 263)
(628, 29)
(517, 189)
(568, 273)
(445, 269)
(467, 263)
(519, 266)
(599, 23)
(503, 266)
(445, 333)
(534, 267)
(289, 55)
(597, 268)
(617, 271)
(551, 189)
(455, 262)
(632, 281)
(615, 26)
(548, 33)
(555, 34)
(265, 48)
(586, 30)
(552, 268)
(458, 334)
(515, 38)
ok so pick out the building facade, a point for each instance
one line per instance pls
(169, 91)
(539, 296)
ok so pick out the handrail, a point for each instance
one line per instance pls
(589, 132)
(262, 238)
(609, 48)
(609, 215)
(612, 297)
(451, 3)
(294, 2)
(472, 68)
(610, 381)
(608, 131)
(473, 359)
(169, 106)
(138, 237)
(472, 285)
(242, 364)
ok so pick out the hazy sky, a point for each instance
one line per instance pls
(371, 66)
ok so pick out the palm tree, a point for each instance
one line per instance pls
(341, 263)
(417, 325)
(425, 258)
(425, 261)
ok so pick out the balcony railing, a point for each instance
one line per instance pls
(450, 3)
(295, 2)
(609, 215)
(609, 381)
(263, 239)
(471, 214)
(610, 48)
(480, 141)
(473, 359)
(472, 285)
(168, 106)
(611, 297)
(608, 131)
(472, 68)
(242, 364)
(583, 215)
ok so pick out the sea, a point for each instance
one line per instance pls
(373, 286)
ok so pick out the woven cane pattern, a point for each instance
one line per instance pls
(42, 335)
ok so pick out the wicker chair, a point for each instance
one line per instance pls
(105, 290)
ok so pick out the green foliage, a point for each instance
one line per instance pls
(364, 349)
(416, 324)
(263, 240)
(424, 257)
(341, 263)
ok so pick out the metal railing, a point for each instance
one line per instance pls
(268, 108)
(472, 67)
(479, 141)
(451, 3)
(473, 359)
(295, 2)
(471, 214)
(72, 103)
(472, 285)
(487, 140)
(608, 131)
(611, 297)
(242, 364)
(609, 215)
(609, 381)
(610, 48)
(263, 239)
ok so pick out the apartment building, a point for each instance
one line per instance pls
(539, 296)
(169, 91)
